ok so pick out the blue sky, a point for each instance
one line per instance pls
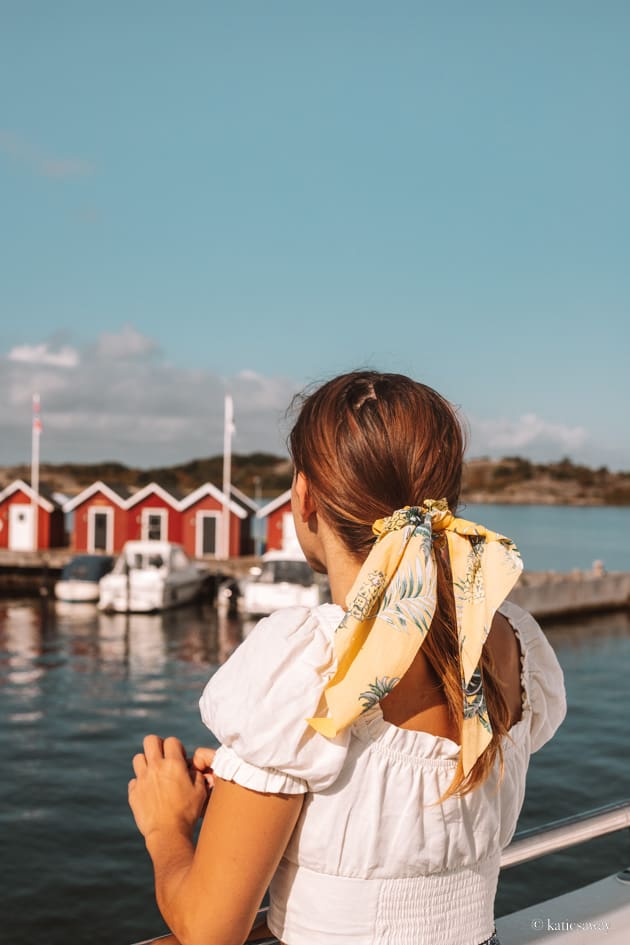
(203, 197)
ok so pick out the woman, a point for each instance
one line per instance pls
(373, 750)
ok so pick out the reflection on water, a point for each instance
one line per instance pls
(35, 639)
(79, 689)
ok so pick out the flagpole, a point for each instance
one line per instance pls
(228, 430)
(36, 431)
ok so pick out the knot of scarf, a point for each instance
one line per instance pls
(390, 609)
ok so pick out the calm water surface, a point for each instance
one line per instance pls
(78, 690)
(560, 537)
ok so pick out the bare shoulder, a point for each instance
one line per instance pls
(506, 655)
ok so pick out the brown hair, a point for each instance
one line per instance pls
(370, 443)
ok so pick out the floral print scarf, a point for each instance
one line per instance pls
(391, 605)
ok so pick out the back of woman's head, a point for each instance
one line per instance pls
(370, 443)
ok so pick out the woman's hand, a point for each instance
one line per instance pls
(202, 761)
(166, 794)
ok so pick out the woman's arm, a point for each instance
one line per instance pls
(211, 893)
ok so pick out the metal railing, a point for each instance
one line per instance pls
(539, 841)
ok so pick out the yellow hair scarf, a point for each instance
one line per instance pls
(391, 606)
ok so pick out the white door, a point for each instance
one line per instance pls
(100, 529)
(21, 518)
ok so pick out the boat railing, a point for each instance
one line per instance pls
(560, 834)
(548, 838)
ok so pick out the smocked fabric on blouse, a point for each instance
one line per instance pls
(374, 858)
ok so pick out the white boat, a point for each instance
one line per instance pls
(149, 576)
(79, 582)
(283, 579)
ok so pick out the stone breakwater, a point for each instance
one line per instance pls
(547, 594)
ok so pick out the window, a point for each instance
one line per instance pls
(154, 524)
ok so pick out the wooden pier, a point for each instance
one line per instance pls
(34, 573)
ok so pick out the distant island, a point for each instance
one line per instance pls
(517, 481)
(512, 480)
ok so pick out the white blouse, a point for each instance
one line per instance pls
(374, 857)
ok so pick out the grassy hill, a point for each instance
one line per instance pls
(510, 480)
(253, 473)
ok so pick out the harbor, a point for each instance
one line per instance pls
(34, 573)
(80, 687)
(546, 594)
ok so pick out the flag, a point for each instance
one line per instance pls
(37, 420)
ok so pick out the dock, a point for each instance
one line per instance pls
(34, 573)
(548, 595)
(545, 594)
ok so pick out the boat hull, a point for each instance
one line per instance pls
(144, 600)
(577, 918)
(259, 600)
(150, 576)
(77, 592)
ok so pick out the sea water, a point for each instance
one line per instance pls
(79, 690)
(561, 537)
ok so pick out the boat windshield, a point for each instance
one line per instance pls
(289, 572)
(87, 568)
(138, 561)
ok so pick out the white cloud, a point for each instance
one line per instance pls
(529, 433)
(128, 343)
(123, 400)
(120, 398)
(41, 354)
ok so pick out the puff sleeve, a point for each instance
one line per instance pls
(542, 676)
(257, 704)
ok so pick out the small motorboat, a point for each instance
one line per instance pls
(149, 576)
(79, 582)
(283, 579)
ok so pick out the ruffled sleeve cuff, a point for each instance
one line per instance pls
(543, 680)
(228, 766)
(257, 704)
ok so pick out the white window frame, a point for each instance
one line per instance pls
(218, 535)
(144, 522)
(94, 510)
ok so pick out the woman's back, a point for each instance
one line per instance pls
(374, 848)
(418, 701)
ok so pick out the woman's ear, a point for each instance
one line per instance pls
(305, 504)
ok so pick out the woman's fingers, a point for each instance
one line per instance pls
(153, 747)
(139, 764)
(173, 748)
(203, 758)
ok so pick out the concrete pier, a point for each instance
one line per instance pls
(547, 594)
